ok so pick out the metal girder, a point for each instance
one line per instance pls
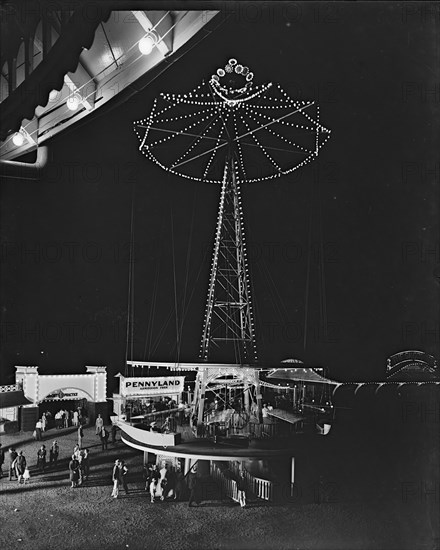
(228, 317)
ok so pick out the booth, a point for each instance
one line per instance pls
(139, 396)
(12, 399)
(52, 392)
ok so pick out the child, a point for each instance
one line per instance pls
(153, 488)
(26, 475)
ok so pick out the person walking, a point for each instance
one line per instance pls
(80, 436)
(116, 475)
(20, 466)
(104, 438)
(99, 424)
(54, 451)
(242, 489)
(41, 458)
(193, 486)
(12, 456)
(74, 471)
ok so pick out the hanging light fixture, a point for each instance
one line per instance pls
(147, 43)
(73, 102)
(53, 95)
(18, 138)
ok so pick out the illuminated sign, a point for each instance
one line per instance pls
(65, 395)
(164, 385)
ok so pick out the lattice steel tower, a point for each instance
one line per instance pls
(228, 323)
(229, 131)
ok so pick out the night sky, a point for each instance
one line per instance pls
(373, 69)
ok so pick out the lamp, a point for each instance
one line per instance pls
(18, 138)
(73, 102)
(147, 43)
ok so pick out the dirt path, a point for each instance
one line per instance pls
(47, 514)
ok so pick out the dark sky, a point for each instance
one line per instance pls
(373, 69)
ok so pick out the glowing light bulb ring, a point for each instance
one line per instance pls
(232, 66)
(188, 134)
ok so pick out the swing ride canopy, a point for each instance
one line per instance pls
(268, 133)
(300, 374)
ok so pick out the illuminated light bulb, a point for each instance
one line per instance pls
(146, 44)
(53, 95)
(73, 102)
(18, 139)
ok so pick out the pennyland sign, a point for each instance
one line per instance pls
(164, 385)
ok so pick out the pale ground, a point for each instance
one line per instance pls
(47, 514)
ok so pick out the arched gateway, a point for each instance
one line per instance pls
(52, 392)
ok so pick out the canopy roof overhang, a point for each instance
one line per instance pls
(13, 399)
(300, 374)
(51, 54)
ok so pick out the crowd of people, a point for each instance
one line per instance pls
(164, 483)
(79, 466)
(17, 467)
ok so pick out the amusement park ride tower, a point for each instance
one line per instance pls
(230, 131)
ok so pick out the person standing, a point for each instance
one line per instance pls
(75, 418)
(80, 436)
(116, 478)
(43, 422)
(76, 452)
(38, 429)
(85, 464)
(123, 471)
(74, 472)
(58, 420)
(53, 454)
(99, 424)
(242, 488)
(20, 466)
(12, 456)
(193, 486)
(163, 481)
(104, 438)
(113, 430)
(41, 458)
(26, 475)
(2, 460)
(178, 484)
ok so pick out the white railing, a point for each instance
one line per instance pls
(229, 486)
(261, 488)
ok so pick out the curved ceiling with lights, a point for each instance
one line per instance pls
(61, 65)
